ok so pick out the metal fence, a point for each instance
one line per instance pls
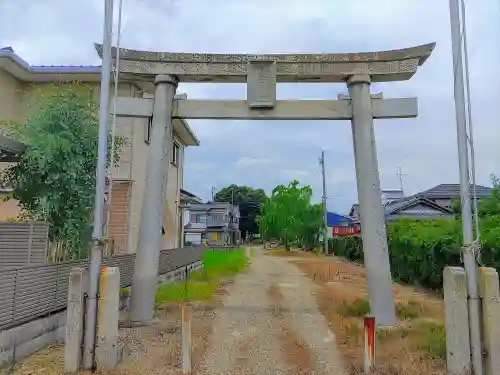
(29, 292)
(23, 244)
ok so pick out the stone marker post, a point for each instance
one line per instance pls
(107, 351)
(490, 294)
(458, 360)
(75, 316)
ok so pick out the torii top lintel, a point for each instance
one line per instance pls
(382, 66)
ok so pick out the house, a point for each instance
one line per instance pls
(21, 83)
(217, 223)
(432, 203)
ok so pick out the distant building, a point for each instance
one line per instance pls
(216, 223)
(340, 225)
(432, 203)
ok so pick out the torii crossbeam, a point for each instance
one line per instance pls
(261, 73)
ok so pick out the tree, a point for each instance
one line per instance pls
(289, 216)
(55, 179)
(489, 206)
(249, 201)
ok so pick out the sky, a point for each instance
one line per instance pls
(263, 154)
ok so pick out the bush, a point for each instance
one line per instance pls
(420, 249)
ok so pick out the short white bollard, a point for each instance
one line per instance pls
(186, 339)
(369, 357)
(75, 316)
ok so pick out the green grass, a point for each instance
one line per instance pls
(361, 307)
(357, 308)
(408, 310)
(432, 338)
(202, 283)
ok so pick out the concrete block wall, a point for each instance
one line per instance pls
(19, 342)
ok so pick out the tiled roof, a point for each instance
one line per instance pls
(451, 191)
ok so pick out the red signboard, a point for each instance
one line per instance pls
(345, 231)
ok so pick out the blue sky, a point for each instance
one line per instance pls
(263, 154)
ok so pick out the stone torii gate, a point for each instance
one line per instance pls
(261, 73)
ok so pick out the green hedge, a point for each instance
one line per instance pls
(420, 249)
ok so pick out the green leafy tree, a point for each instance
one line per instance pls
(249, 201)
(289, 216)
(55, 179)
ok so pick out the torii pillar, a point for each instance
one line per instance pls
(152, 212)
(373, 229)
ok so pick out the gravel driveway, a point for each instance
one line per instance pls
(269, 324)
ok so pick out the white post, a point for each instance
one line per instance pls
(469, 256)
(373, 230)
(97, 240)
(186, 340)
(150, 240)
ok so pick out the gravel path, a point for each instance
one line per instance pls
(270, 324)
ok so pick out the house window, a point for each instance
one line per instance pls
(175, 154)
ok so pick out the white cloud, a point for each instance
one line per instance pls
(246, 161)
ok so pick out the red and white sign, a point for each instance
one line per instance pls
(346, 231)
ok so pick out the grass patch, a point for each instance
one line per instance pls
(202, 283)
(360, 307)
(357, 308)
(431, 338)
(408, 310)
(185, 291)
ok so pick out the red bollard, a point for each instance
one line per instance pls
(369, 360)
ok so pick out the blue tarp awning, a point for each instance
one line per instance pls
(335, 220)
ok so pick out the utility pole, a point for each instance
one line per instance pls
(400, 176)
(97, 240)
(468, 247)
(325, 210)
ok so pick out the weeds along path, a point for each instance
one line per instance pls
(269, 324)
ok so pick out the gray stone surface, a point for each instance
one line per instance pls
(152, 211)
(374, 235)
(456, 321)
(325, 67)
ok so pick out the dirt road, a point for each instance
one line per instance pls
(270, 324)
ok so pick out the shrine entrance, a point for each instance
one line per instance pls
(261, 73)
